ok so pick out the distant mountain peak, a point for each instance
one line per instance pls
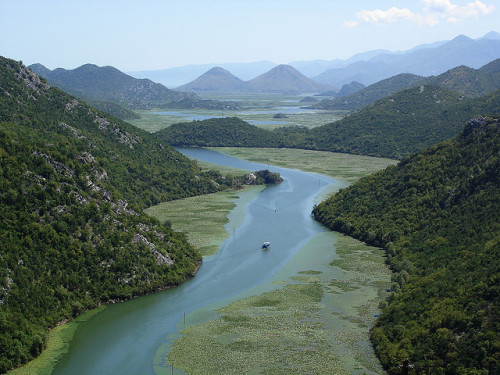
(218, 70)
(461, 38)
(215, 79)
(493, 35)
(282, 78)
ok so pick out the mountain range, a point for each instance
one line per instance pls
(366, 68)
(280, 79)
(426, 61)
(464, 80)
(107, 84)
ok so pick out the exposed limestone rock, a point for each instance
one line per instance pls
(160, 258)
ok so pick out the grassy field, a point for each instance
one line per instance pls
(344, 167)
(203, 218)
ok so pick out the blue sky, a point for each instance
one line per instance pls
(156, 34)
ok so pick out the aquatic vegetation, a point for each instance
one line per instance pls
(300, 327)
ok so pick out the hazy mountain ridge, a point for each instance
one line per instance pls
(366, 67)
(216, 79)
(280, 79)
(433, 60)
(178, 76)
(109, 84)
(464, 80)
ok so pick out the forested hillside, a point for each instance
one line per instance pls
(216, 132)
(393, 127)
(437, 214)
(402, 123)
(461, 79)
(370, 94)
(73, 183)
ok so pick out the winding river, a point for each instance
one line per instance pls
(133, 337)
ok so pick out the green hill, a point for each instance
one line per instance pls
(73, 183)
(402, 123)
(466, 81)
(215, 132)
(365, 96)
(394, 127)
(437, 215)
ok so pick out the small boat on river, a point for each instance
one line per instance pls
(266, 245)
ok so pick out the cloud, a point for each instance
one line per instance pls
(387, 16)
(454, 13)
(432, 13)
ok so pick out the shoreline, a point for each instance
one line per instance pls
(48, 359)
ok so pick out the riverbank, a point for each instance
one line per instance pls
(217, 223)
(345, 167)
(313, 318)
(204, 218)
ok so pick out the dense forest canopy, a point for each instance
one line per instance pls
(437, 214)
(73, 183)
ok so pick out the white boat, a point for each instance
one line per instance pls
(266, 245)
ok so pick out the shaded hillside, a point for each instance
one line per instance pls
(347, 89)
(430, 61)
(493, 71)
(73, 183)
(94, 83)
(367, 95)
(402, 123)
(437, 215)
(114, 110)
(216, 79)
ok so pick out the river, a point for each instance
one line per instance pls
(127, 337)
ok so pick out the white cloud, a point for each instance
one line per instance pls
(391, 15)
(449, 10)
(432, 13)
(351, 23)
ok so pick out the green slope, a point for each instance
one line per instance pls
(402, 123)
(73, 183)
(393, 127)
(227, 132)
(437, 215)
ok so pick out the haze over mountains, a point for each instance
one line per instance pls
(462, 79)
(281, 79)
(366, 68)
(103, 85)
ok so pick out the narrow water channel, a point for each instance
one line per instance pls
(124, 338)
